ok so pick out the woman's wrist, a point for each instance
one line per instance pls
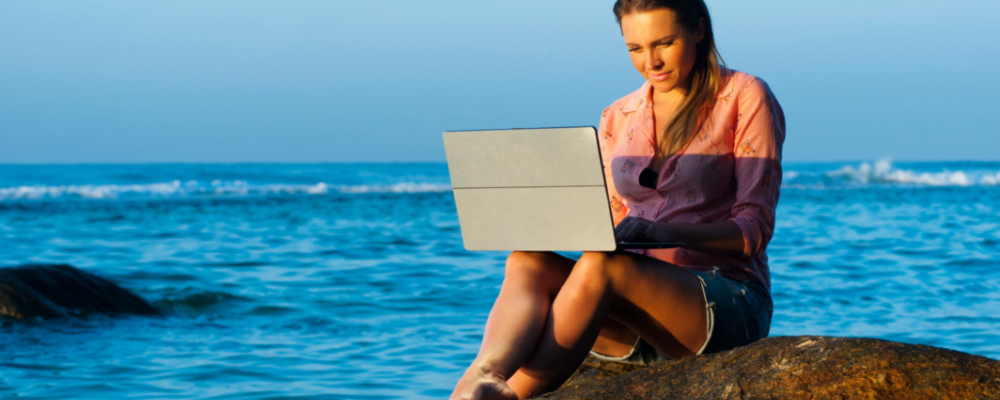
(716, 238)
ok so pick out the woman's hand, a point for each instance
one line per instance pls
(723, 238)
(634, 229)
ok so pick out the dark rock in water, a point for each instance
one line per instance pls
(55, 291)
(804, 367)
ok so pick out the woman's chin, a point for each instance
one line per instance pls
(663, 86)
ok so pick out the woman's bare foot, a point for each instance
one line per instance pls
(482, 384)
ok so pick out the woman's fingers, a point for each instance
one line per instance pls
(631, 230)
(638, 232)
(621, 231)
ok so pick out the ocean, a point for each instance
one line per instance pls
(350, 280)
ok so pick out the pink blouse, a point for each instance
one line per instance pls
(729, 171)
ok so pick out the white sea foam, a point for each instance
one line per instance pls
(880, 172)
(990, 180)
(88, 191)
(398, 188)
(215, 188)
(884, 172)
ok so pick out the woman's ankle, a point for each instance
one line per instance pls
(488, 368)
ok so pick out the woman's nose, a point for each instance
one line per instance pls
(653, 60)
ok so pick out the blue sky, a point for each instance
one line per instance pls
(338, 81)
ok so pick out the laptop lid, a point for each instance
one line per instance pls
(530, 189)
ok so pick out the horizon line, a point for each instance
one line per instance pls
(890, 159)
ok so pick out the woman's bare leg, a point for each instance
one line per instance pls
(654, 299)
(531, 282)
(648, 297)
(615, 339)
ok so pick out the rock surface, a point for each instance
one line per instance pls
(56, 291)
(803, 367)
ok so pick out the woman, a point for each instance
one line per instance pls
(693, 156)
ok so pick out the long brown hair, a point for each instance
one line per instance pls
(706, 75)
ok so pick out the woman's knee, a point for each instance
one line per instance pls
(593, 274)
(599, 265)
(535, 267)
(521, 262)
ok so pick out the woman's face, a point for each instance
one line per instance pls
(662, 50)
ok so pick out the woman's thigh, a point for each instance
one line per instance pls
(661, 302)
(540, 270)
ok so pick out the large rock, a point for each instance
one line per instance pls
(56, 291)
(805, 367)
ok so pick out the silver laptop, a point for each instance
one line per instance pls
(532, 190)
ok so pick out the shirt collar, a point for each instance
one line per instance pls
(644, 96)
(638, 99)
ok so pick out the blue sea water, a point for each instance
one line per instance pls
(351, 281)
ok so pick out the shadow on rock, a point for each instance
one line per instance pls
(58, 291)
(807, 367)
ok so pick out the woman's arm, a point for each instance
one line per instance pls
(723, 238)
(757, 140)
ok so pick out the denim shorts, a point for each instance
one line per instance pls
(738, 313)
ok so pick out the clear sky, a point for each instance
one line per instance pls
(341, 81)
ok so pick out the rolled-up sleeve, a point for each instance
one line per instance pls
(758, 136)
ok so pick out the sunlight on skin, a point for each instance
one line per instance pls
(661, 50)
(664, 53)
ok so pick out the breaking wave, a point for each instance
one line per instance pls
(883, 172)
(216, 188)
(806, 176)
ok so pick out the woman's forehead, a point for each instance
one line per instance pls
(648, 26)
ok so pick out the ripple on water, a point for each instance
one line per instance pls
(374, 296)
